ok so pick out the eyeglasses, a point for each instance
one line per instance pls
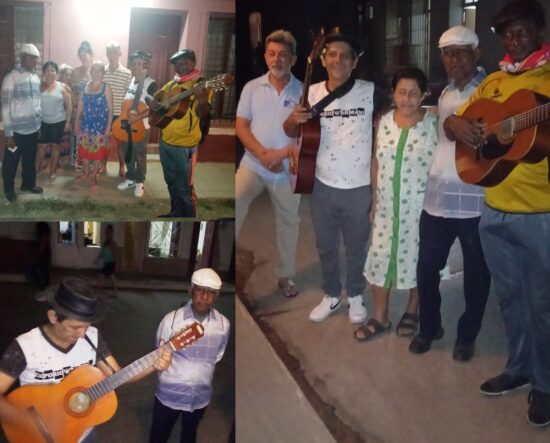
(456, 52)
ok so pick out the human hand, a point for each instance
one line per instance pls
(300, 115)
(462, 129)
(67, 127)
(10, 142)
(165, 358)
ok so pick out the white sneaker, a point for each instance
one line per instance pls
(327, 306)
(356, 309)
(126, 184)
(139, 191)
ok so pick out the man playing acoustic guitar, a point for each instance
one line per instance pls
(134, 110)
(48, 353)
(179, 139)
(515, 222)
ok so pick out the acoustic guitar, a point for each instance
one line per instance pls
(173, 104)
(518, 131)
(85, 398)
(303, 156)
(121, 127)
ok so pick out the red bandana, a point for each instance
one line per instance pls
(537, 58)
(194, 74)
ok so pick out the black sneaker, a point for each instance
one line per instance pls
(502, 384)
(539, 408)
(463, 351)
(420, 345)
(33, 190)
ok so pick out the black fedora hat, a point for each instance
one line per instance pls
(189, 53)
(75, 299)
(518, 9)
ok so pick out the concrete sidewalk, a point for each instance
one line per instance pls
(379, 389)
(270, 405)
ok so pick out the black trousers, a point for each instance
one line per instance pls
(164, 419)
(26, 150)
(437, 235)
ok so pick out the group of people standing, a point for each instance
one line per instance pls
(386, 182)
(77, 108)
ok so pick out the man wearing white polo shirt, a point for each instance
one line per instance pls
(264, 105)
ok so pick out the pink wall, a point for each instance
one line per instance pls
(68, 22)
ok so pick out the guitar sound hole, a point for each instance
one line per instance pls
(79, 402)
(491, 148)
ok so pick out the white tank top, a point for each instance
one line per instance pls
(53, 105)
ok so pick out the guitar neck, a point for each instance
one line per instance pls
(180, 96)
(117, 379)
(532, 117)
(304, 102)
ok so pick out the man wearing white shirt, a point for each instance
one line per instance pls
(452, 209)
(186, 389)
(264, 105)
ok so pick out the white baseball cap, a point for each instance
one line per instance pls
(206, 277)
(29, 48)
(458, 35)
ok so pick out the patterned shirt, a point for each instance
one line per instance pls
(21, 102)
(446, 195)
(187, 384)
(118, 80)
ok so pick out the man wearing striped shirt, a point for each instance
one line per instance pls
(118, 78)
(452, 209)
(186, 387)
(21, 120)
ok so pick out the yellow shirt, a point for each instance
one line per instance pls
(184, 132)
(527, 188)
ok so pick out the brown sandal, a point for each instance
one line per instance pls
(367, 334)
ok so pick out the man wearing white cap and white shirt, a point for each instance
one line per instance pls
(186, 389)
(21, 120)
(452, 209)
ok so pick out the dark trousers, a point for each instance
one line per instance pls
(342, 212)
(164, 419)
(437, 235)
(178, 168)
(26, 151)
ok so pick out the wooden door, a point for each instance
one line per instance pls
(158, 33)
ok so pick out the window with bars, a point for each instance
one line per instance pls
(164, 238)
(407, 37)
(220, 58)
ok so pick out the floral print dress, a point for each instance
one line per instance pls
(404, 159)
(95, 114)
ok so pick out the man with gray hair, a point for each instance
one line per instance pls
(451, 209)
(21, 120)
(264, 105)
(118, 78)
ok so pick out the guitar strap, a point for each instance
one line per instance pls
(101, 356)
(339, 92)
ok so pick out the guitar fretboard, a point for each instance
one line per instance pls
(532, 117)
(95, 392)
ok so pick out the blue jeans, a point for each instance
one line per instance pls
(437, 235)
(341, 211)
(177, 167)
(517, 250)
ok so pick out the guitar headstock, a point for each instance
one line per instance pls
(219, 82)
(186, 336)
(318, 46)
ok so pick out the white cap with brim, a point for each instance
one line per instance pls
(458, 35)
(29, 48)
(206, 277)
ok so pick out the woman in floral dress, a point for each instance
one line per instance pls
(405, 142)
(94, 112)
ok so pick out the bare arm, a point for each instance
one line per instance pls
(68, 106)
(460, 128)
(299, 116)
(78, 116)
(270, 158)
(8, 412)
